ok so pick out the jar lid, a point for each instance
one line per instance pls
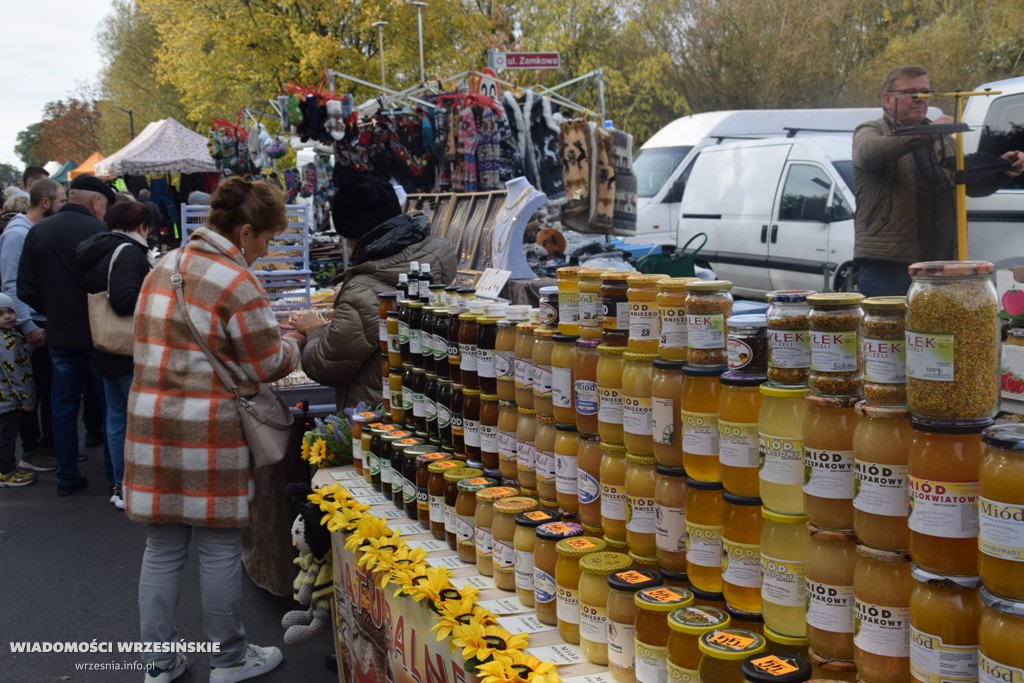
(604, 563)
(478, 464)
(565, 427)
(642, 279)
(634, 357)
(420, 371)
(754, 320)
(789, 641)
(606, 350)
(708, 286)
(591, 273)
(394, 313)
(495, 309)
(640, 459)
(549, 290)
(831, 535)
(494, 473)
(476, 484)
(470, 392)
(617, 544)
(415, 304)
(556, 531)
(951, 268)
(488, 397)
(388, 295)
(704, 485)
(438, 287)
(1001, 604)
(517, 313)
(526, 326)
(514, 505)
(883, 555)
(568, 271)
(443, 465)
(815, 401)
(885, 303)
(697, 619)
(865, 409)
(618, 274)
(431, 458)
(587, 343)
(835, 299)
(932, 579)
(593, 531)
(564, 338)
(366, 417)
(775, 667)
(632, 580)
(741, 500)
(409, 441)
(396, 435)
(789, 296)
(734, 378)
(948, 427)
(731, 644)
(663, 598)
(650, 561)
(612, 447)
(543, 332)
(591, 437)
(461, 473)
(526, 411)
(679, 577)
(534, 518)
(488, 320)
(713, 371)
(494, 493)
(676, 283)
(837, 665)
(547, 420)
(669, 471)
(662, 364)
(421, 449)
(468, 317)
(1009, 437)
(707, 596)
(781, 392)
(579, 546)
(781, 518)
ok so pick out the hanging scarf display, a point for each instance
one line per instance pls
(575, 153)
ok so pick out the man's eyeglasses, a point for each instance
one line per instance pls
(912, 93)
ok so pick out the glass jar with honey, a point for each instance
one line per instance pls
(741, 552)
(543, 347)
(831, 558)
(882, 584)
(452, 477)
(567, 444)
(670, 520)
(503, 530)
(636, 403)
(594, 593)
(828, 461)
(563, 359)
(945, 612)
(739, 403)
(615, 304)
(525, 555)
(622, 615)
(465, 515)
(686, 626)
(780, 436)
(524, 364)
(641, 507)
(526, 448)
(672, 311)
(1001, 511)
(547, 433)
(783, 572)
(644, 316)
(613, 491)
(724, 650)
(585, 397)
(569, 299)
(545, 555)
(881, 504)
(591, 304)
(588, 482)
(1000, 656)
(610, 366)
(666, 416)
(652, 629)
(567, 581)
(483, 524)
(704, 510)
(699, 418)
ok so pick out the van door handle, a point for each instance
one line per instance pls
(775, 233)
(764, 234)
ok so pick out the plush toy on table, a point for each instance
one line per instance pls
(315, 582)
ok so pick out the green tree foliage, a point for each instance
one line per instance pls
(69, 130)
(26, 142)
(9, 175)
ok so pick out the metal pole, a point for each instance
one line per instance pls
(380, 39)
(600, 94)
(131, 120)
(419, 26)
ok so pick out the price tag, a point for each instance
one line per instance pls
(429, 545)
(448, 464)
(605, 677)
(389, 514)
(557, 528)
(663, 595)
(410, 530)
(345, 475)
(478, 481)
(730, 640)
(504, 606)
(451, 561)
(559, 655)
(360, 491)
(525, 624)
(375, 499)
(580, 543)
(481, 582)
(632, 576)
(536, 515)
(774, 665)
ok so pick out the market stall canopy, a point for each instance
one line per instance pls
(52, 167)
(87, 166)
(163, 146)
(61, 176)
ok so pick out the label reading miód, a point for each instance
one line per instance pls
(700, 433)
(881, 629)
(704, 545)
(783, 582)
(781, 460)
(830, 608)
(880, 489)
(737, 444)
(1001, 529)
(947, 509)
(935, 661)
(828, 473)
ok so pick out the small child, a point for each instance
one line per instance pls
(17, 391)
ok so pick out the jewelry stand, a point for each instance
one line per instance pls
(521, 202)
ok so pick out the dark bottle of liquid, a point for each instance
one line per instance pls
(403, 286)
(426, 279)
(414, 280)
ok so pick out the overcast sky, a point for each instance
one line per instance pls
(47, 48)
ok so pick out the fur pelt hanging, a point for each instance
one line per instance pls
(604, 188)
(575, 153)
(544, 128)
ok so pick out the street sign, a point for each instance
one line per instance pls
(487, 83)
(526, 60)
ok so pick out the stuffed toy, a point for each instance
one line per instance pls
(315, 581)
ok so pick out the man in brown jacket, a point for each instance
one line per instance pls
(345, 354)
(906, 206)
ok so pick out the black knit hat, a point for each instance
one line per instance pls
(361, 203)
(93, 184)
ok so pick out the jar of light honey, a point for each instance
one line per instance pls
(610, 365)
(666, 418)
(569, 299)
(547, 433)
(704, 510)
(465, 515)
(567, 581)
(739, 404)
(525, 541)
(622, 614)
(670, 521)
(944, 615)
(881, 504)
(1000, 656)
(641, 507)
(595, 569)
(636, 403)
(435, 495)
(545, 588)
(672, 310)
(504, 351)
(780, 437)
(613, 491)
(830, 670)
(699, 419)
(585, 399)
(831, 558)
(591, 304)
(741, 552)
(944, 462)
(543, 347)
(523, 354)
(567, 444)
(787, 644)
(588, 479)
(526, 447)
(828, 461)
(503, 530)
(652, 629)
(724, 650)
(687, 625)
(563, 359)
(483, 523)
(508, 424)
(784, 572)
(1001, 511)
(882, 584)
(644, 317)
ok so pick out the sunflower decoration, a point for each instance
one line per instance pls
(430, 585)
(366, 528)
(519, 667)
(375, 551)
(403, 560)
(345, 519)
(454, 613)
(329, 443)
(481, 644)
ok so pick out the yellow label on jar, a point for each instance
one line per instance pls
(1001, 529)
(991, 671)
(700, 433)
(651, 662)
(934, 661)
(593, 623)
(613, 502)
(741, 564)
(703, 545)
(737, 444)
(947, 509)
(783, 582)
(881, 629)
(781, 460)
(569, 307)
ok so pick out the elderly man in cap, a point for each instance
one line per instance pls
(51, 281)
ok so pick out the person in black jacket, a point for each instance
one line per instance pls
(51, 281)
(126, 244)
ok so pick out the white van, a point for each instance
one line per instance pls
(778, 212)
(664, 162)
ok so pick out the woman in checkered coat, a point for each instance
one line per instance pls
(187, 466)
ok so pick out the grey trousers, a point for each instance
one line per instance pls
(220, 589)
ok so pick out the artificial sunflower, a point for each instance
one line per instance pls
(453, 613)
(318, 452)
(375, 551)
(368, 527)
(498, 671)
(402, 560)
(333, 494)
(345, 519)
(480, 642)
(531, 669)
(430, 585)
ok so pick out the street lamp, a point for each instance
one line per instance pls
(380, 38)
(419, 24)
(131, 121)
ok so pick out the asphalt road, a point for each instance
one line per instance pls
(69, 571)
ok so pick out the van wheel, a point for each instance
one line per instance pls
(845, 279)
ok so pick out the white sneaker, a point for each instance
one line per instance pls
(258, 661)
(170, 673)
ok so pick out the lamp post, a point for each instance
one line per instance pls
(419, 25)
(380, 38)
(131, 121)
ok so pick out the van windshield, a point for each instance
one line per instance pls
(654, 166)
(845, 169)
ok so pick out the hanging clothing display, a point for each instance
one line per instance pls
(600, 185)
(624, 219)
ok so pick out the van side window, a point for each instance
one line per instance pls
(1004, 130)
(675, 193)
(805, 194)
